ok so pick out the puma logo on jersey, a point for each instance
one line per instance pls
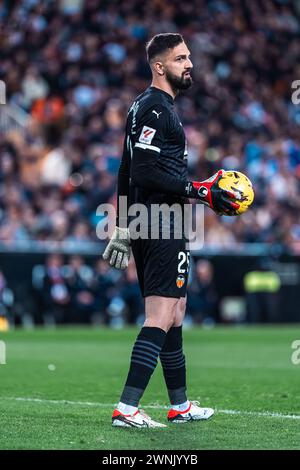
(155, 112)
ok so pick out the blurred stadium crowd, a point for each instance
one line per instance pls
(71, 70)
(65, 290)
(75, 67)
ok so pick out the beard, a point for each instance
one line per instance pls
(179, 83)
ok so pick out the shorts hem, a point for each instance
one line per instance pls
(164, 294)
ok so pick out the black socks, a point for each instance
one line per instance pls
(173, 363)
(143, 362)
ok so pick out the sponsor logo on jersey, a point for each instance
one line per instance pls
(147, 135)
(180, 281)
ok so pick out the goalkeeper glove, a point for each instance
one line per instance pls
(209, 192)
(118, 249)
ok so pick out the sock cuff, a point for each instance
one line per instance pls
(173, 339)
(154, 334)
(175, 331)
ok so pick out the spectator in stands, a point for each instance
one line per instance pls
(262, 288)
(6, 304)
(105, 287)
(79, 281)
(130, 293)
(203, 298)
(54, 291)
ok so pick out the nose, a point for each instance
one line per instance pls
(189, 64)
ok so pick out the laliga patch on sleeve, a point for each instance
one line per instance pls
(147, 135)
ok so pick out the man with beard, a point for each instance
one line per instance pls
(153, 171)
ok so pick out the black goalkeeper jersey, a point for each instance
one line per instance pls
(154, 126)
(154, 162)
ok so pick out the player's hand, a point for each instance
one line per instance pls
(118, 250)
(218, 199)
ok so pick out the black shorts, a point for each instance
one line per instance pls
(162, 266)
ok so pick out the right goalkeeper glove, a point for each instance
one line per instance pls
(118, 249)
(209, 192)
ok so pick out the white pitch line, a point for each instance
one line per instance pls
(268, 414)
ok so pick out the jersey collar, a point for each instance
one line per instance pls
(167, 95)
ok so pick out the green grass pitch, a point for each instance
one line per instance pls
(58, 387)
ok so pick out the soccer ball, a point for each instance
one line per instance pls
(238, 183)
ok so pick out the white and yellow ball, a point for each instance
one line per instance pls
(241, 186)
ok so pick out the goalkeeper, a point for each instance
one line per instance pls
(153, 170)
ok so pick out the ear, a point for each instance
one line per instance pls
(159, 68)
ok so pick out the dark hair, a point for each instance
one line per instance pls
(161, 42)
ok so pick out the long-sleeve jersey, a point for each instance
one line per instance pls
(154, 162)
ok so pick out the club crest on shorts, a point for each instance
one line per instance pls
(180, 281)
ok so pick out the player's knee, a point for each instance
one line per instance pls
(161, 312)
(171, 320)
(182, 305)
(165, 323)
(180, 311)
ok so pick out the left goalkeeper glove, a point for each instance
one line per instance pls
(118, 249)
